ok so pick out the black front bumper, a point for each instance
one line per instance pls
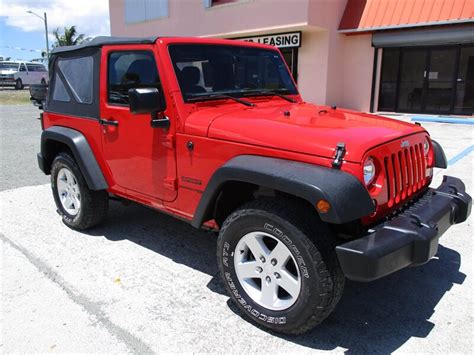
(411, 238)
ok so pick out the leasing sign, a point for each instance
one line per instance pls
(280, 40)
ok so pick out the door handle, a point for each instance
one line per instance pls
(104, 122)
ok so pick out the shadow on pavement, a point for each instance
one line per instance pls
(371, 317)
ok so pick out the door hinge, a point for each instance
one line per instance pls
(170, 183)
(339, 155)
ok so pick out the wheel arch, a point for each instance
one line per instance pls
(440, 158)
(347, 196)
(56, 139)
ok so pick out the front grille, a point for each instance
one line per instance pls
(406, 173)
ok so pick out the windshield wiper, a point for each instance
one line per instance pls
(198, 97)
(272, 92)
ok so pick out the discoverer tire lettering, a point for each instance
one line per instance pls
(321, 278)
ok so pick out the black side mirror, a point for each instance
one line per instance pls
(148, 100)
(145, 100)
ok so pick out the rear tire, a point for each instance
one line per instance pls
(79, 207)
(43, 81)
(290, 229)
(19, 84)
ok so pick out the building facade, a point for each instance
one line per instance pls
(412, 56)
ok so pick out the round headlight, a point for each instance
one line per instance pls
(369, 171)
(426, 146)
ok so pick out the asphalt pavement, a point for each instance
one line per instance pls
(19, 142)
(144, 282)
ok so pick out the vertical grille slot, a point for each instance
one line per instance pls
(396, 171)
(418, 167)
(405, 172)
(390, 180)
(409, 171)
(415, 169)
(423, 164)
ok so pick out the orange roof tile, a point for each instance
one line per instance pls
(370, 15)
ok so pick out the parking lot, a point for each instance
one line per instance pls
(144, 282)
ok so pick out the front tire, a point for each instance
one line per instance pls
(19, 84)
(278, 263)
(79, 207)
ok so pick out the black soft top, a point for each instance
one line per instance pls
(104, 40)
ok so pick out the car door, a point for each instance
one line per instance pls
(23, 74)
(42, 73)
(141, 158)
(31, 74)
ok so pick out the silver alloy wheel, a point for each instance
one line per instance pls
(68, 191)
(267, 271)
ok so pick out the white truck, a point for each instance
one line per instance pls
(21, 74)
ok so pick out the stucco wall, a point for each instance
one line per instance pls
(312, 65)
(190, 18)
(357, 68)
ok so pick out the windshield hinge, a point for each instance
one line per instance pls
(339, 155)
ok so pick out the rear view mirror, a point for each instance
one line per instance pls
(145, 100)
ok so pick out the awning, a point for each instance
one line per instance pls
(373, 15)
(424, 37)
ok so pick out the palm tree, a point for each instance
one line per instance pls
(69, 38)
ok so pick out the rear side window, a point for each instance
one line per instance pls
(36, 67)
(128, 70)
(78, 74)
(59, 91)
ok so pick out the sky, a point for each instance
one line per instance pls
(21, 29)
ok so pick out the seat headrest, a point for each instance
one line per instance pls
(191, 75)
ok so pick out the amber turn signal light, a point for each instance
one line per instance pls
(323, 206)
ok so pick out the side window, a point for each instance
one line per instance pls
(22, 67)
(59, 91)
(38, 67)
(128, 70)
(31, 67)
(78, 73)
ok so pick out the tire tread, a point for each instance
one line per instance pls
(94, 203)
(321, 249)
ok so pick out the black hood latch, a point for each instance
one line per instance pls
(339, 155)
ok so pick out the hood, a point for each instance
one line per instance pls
(301, 127)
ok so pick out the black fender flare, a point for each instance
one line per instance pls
(440, 160)
(81, 150)
(348, 198)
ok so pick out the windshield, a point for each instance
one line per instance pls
(206, 71)
(9, 66)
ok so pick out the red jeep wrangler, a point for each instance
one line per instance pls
(215, 133)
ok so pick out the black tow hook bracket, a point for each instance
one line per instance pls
(339, 155)
(416, 220)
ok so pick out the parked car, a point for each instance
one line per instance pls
(214, 132)
(21, 74)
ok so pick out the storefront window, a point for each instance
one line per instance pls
(464, 102)
(412, 78)
(389, 77)
(439, 91)
(437, 80)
